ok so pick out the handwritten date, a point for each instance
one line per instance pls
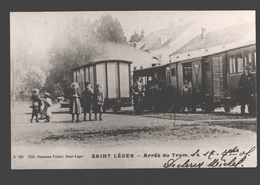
(228, 158)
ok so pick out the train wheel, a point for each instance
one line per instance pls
(175, 108)
(193, 108)
(227, 109)
(208, 108)
(116, 108)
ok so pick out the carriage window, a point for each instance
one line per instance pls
(239, 63)
(249, 59)
(187, 73)
(187, 70)
(232, 65)
(173, 71)
(245, 60)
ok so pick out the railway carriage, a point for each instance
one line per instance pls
(113, 75)
(235, 61)
(214, 79)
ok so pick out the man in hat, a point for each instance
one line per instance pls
(247, 89)
(137, 93)
(87, 95)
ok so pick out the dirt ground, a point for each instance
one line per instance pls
(116, 129)
(128, 132)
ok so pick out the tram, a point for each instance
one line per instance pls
(113, 75)
(214, 80)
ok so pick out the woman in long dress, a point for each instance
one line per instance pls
(75, 106)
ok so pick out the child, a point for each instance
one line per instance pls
(42, 109)
(98, 102)
(36, 104)
(186, 95)
(47, 106)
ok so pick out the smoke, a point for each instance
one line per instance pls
(114, 51)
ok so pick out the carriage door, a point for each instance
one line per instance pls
(197, 77)
(207, 77)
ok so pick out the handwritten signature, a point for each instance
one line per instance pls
(225, 159)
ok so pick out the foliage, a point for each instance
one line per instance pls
(27, 78)
(35, 78)
(136, 37)
(108, 29)
(80, 43)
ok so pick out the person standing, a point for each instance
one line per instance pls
(137, 90)
(75, 106)
(47, 107)
(36, 104)
(98, 101)
(186, 95)
(87, 95)
(247, 90)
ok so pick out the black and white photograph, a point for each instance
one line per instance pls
(133, 89)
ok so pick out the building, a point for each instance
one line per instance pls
(217, 41)
(160, 44)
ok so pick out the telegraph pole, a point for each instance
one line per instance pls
(13, 82)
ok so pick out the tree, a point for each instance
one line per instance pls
(80, 43)
(75, 46)
(108, 29)
(136, 37)
(27, 78)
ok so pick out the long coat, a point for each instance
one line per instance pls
(87, 97)
(137, 93)
(247, 85)
(98, 101)
(47, 107)
(75, 106)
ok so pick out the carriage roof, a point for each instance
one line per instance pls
(150, 70)
(101, 61)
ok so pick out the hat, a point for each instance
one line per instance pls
(47, 94)
(247, 67)
(35, 90)
(86, 83)
(137, 78)
(74, 84)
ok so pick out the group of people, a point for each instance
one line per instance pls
(41, 106)
(156, 96)
(94, 100)
(90, 101)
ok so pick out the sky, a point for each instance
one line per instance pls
(131, 21)
(41, 27)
